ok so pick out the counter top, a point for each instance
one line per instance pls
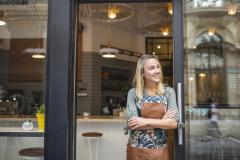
(79, 118)
(19, 132)
(10, 126)
(101, 119)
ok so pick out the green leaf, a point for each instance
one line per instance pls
(41, 109)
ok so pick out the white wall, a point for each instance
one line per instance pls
(87, 34)
(97, 33)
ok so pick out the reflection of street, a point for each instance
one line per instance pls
(214, 118)
(209, 148)
(205, 146)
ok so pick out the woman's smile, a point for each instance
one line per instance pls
(151, 70)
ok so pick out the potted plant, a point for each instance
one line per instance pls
(40, 114)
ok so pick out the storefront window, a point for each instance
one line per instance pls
(212, 78)
(23, 33)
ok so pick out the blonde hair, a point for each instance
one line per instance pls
(138, 80)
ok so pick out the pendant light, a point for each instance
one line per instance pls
(39, 53)
(232, 9)
(165, 28)
(38, 50)
(165, 31)
(2, 17)
(169, 8)
(108, 52)
(112, 13)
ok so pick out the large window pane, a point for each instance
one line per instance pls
(23, 33)
(212, 78)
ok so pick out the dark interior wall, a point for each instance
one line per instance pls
(91, 71)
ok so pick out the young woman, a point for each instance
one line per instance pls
(151, 109)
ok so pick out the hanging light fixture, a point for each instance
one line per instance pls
(165, 31)
(169, 8)
(39, 53)
(232, 9)
(108, 52)
(38, 56)
(202, 75)
(112, 13)
(2, 22)
(2, 16)
(36, 52)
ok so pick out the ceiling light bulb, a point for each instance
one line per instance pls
(158, 46)
(2, 23)
(202, 75)
(165, 32)
(211, 31)
(39, 56)
(232, 10)
(108, 55)
(153, 53)
(112, 13)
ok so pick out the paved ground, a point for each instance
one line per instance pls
(210, 148)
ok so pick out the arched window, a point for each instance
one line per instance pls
(208, 67)
(209, 51)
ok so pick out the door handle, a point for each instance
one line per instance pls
(180, 108)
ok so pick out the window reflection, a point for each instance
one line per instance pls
(207, 3)
(22, 52)
(22, 75)
(212, 77)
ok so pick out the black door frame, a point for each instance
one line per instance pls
(178, 69)
(59, 141)
(60, 132)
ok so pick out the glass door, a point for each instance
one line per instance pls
(133, 29)
(212, 78)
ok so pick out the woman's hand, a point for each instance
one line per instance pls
(169, 114)
(137, 122)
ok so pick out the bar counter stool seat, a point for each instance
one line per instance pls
(92, 136)
(31, 153)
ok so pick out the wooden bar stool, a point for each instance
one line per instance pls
(31, 153)
(92, 136)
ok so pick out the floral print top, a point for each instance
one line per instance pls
(151, 138)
